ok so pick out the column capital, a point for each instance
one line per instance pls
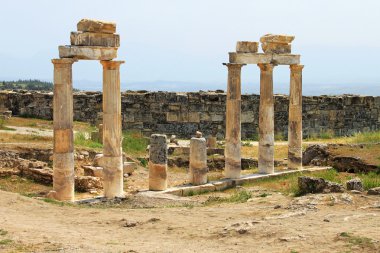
(64, 61)
(296, 67)
(111, 65)
(266, 66)
(238, 65)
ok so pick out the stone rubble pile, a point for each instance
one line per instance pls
(94, 40)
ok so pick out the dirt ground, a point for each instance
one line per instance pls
(267, 221)
(274, 223)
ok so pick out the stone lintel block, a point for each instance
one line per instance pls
(247, 47)
(277, 38)
(276, 48)
(98, 26)
(256, 58)
(88, 53)
(94, 39)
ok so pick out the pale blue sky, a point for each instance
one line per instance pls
(181, 45)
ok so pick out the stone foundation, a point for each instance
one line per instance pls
(184, 113)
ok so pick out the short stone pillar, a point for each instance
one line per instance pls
(158, 158)
(211, 142)
(233, 124)
(63, 156)
(100, 132)
(295, 118)
(266, 119)
(112, 161)
(198, 160)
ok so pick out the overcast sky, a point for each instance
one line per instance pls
(181, 45)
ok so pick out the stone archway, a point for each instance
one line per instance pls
(95, 40)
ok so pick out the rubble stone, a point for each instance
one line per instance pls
(277, 38)
(276, 48)
(354, 184)
(247, 47)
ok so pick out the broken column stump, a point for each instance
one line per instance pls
(158, 158)
(198, 161)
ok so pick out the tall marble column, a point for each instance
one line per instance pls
(295, 118)
(266, 119)
(233, 122)
(112, 161)
(63, 153)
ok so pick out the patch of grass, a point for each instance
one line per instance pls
(134, 143)
(370, 180)
(239, 196)
(3, 232)
(3, 127)
(367, 137)
(22, 186)
(279, 136)
(358, 242)
(325, 135)
(81, 139)
(5, 242)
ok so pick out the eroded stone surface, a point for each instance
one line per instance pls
(277, 38)
(98, 26)
(247, 47)
(88, 53)
(94, 39)
(276, 48)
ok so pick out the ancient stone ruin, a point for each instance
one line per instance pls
(277, 49)
(95, 40)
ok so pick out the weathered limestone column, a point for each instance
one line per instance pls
(233, 124)
(295, 118)
(158, 158)
(198, 160)
(63, 157)
(266, 119)
(112, 161)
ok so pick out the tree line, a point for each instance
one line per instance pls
(27, 85)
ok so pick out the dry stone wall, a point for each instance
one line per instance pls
(185, 113)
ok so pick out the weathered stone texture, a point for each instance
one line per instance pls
(94, 39)
(88, 52)
(147, 111)
(98, 26)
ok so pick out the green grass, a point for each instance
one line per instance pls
(5, 242)
(367, 137)
(326, 135)
(239, 196)
(3, 127)
(81, 139)
(3, 232)
(134, 143)
(358, 242)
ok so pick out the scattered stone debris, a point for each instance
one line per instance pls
(317, 185)
(354, 184)
(374, 191)
(173, 139)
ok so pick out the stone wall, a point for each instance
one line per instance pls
(184, 113)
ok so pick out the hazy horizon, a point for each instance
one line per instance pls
(180, 46)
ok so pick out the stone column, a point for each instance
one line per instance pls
(295, 118)
(63, 156)
(112, 161)
(198, 160)
(266, 119)
(233, 124)
(158, 158)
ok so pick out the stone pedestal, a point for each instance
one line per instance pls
(212, 142)
(233, 124)
(63, 157)
(266, 119)
(295, 118)
(158, 158)
(112, 136)
(198, 161)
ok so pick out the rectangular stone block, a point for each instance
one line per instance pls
(194, 117)
(277, 38)
(276, 48)
(98, 26)
(88, 53)
(255, 58)
(247, 47)
(94, 39)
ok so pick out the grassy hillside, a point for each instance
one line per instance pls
(26, 85)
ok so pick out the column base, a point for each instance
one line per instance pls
(157, 177)
(113, 183)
